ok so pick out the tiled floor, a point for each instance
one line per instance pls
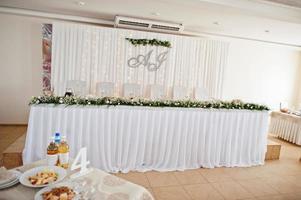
(276, 180)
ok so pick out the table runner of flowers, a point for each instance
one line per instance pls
(116, 101)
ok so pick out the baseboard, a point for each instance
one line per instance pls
(21, 124)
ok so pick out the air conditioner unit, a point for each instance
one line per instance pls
(148, 25)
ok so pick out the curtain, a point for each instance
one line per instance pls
(99, 54)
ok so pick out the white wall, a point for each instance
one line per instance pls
(263, 73)
(20, 66)
(255, 72)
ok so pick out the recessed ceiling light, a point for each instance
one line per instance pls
(155, 13)
(80, 3)
(216, 23)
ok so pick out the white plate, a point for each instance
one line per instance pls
(32, 172)
(71, 185)
(8, 179)
(12, 182)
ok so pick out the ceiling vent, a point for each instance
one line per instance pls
(147, 25)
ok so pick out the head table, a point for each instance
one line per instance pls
(97, 185)
(141, 138)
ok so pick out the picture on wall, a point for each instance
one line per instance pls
(47, 42)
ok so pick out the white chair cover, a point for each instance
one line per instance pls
(157, 92)
(105, 89)
(131, 90)
(201, 94)
(78, 87)
(180, 93)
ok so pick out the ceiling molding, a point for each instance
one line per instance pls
(263, 8)
(296, 4)
(33, 13)
(227, 37)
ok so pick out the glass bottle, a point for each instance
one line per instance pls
(69, 92)
(52, 154)
(63, 150)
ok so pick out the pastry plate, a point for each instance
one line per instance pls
(24, 179)
(69, 184)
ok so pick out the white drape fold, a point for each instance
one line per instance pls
(124, 138)
(287, 127)
(99, 54)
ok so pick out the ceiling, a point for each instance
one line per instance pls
(277, 21)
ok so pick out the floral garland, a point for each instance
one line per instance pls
(153, 42)
(113, 101)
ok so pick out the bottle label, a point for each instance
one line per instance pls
(52, 159)
(64, 158)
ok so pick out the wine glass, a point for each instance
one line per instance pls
(69, 92)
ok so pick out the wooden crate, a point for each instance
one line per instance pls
(273, 151)
(12, 156)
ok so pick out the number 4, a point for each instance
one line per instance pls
(80, 158)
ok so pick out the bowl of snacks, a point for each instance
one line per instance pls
(42, 176)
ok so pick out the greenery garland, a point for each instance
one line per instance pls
(113, 101)
(153, 42)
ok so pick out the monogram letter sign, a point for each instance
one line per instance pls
(145, 60)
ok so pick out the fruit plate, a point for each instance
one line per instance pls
(71, 185)
(60, 172)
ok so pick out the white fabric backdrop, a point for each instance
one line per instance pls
(147, 138)
(90, 53)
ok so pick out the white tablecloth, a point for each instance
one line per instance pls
(286, 126)
(99, 184)
(147, 138)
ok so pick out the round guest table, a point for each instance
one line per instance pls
(124, 138)
(99, 184)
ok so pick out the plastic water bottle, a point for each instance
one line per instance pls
(57, 138)
(57, 141)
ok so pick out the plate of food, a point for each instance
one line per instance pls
(42, 176)
(60, 191)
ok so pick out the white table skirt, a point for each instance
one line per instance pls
(124, 138)
(286, 126)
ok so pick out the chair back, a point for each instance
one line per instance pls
(78, 87)
(131, 90)
(180, 93)
(201, 94)
(105, 89)
(157, 92)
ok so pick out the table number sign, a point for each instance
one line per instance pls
(81, 163)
